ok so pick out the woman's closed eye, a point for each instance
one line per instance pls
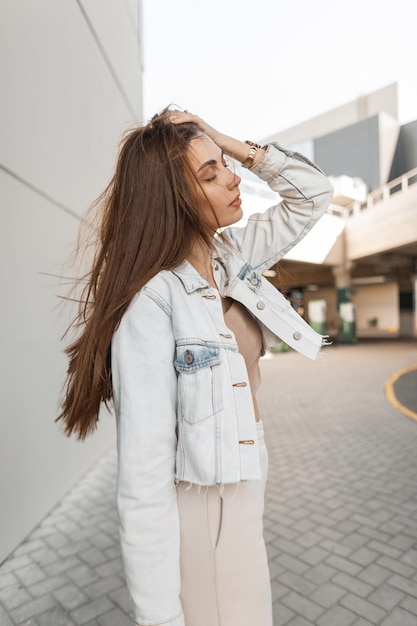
(212, 175)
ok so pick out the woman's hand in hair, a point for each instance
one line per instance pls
(231, 147)
(182, 117)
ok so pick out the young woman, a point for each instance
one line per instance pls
(175, 317)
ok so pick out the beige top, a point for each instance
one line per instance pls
(249, 340)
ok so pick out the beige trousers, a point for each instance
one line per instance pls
(224, 567)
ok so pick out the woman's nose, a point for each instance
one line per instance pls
(235, 179)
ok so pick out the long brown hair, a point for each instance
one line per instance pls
(148, 221)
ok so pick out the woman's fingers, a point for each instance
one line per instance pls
(181, 117)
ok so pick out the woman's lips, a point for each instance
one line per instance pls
(237, 201)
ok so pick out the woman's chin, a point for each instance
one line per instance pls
(235, 217)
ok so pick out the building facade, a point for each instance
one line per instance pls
(360, 261)
(71, 85)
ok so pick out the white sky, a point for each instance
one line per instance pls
(255, 67)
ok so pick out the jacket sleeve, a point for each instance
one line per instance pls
(145, 384)
(305, 192)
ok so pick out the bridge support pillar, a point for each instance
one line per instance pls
(345, 306)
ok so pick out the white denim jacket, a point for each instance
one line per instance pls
(182, 399)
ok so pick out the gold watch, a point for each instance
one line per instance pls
(254, 147)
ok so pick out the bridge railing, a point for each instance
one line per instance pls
(382, 194)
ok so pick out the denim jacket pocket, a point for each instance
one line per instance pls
(199, 381)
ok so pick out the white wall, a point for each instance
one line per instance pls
(71, 84)
(379, 301)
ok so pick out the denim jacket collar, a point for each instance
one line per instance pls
(189, 277)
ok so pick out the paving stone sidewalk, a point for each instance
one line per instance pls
(340, 518)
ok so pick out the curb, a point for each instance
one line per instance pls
(392, 397)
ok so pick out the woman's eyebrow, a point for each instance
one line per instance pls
(209, 163)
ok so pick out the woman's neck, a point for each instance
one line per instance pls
(201, 259)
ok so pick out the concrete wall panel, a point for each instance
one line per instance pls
(118, 35)
(389, 131)
(37, 463)
(134, 13)
(405, 158)
(352, 151)
(71, 85)
(378, 302)
(60, 100)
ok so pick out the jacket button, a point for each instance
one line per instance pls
(297, 336)
(188, 358)
(260, 305)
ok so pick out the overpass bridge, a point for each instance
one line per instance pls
(363, 250)
(386, 222)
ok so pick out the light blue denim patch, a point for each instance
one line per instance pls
(195, 356)
(199, 381)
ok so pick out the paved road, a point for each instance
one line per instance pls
(405, 391)
(340, 519)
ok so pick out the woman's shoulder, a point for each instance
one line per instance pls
(160, 289)
(163, 284)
